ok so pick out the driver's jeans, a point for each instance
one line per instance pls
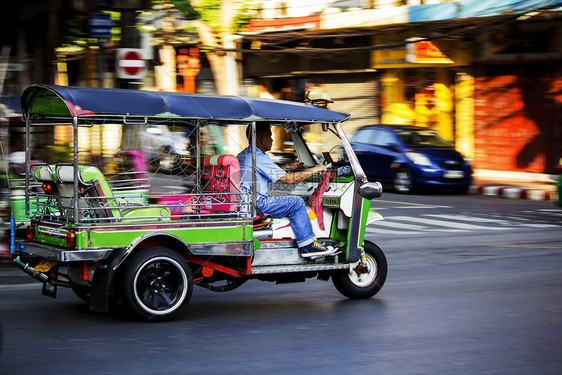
(294, 208)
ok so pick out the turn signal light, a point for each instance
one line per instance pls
(70, 239)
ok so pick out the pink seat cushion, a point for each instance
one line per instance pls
(221, 174)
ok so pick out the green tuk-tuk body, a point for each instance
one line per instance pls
(144, 234)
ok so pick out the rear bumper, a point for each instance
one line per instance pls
(60, 255)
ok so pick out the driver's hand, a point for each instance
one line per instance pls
(320, 168)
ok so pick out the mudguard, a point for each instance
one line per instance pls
(100, 283)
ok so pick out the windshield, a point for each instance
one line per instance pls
(422, 138)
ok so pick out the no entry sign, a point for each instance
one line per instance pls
(130, 63)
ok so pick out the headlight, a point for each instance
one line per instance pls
(418, 159)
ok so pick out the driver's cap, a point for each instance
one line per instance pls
(313, 97)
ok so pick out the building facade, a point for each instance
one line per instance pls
(486, 75)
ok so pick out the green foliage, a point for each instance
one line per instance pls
(243, 16)
(209, 12)
(186, 9)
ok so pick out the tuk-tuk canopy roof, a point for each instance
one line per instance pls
(67, 101)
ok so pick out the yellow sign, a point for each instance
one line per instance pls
(403, 50)
(425, 52)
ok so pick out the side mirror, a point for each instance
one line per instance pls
(325, 127)
(370, 190)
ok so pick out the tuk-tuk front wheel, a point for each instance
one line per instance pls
(363, 280)
(157, 284)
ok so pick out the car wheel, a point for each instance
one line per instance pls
(157, 284)
(363, 280)
(403, 181)
(462, 189)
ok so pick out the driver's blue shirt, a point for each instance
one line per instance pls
(266, 170)
(278, 206)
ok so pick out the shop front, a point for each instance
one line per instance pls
(418, 82)
(518, 98)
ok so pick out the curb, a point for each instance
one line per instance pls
(515, 192)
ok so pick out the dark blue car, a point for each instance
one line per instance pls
(411, 158)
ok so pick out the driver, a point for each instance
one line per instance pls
(289, 206)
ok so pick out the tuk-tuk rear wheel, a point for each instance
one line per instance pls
(157, 284)
(82, 292)
(363, 280)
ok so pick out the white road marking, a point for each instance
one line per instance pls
(405, 225)
(395, 225)
(443, 223)
(550, 211)
(497, 221)
(467, 218)
(411, 205)
(377, 230)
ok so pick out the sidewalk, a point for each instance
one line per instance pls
(515, 185)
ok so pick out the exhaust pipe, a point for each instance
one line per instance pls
(263, 234)
(30, 271)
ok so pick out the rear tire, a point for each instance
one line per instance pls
(82, 292)
(157, 284)
(462, 189)
(356, 285)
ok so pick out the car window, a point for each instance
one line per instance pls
(417, 138)
(385, 139)
(367, 136)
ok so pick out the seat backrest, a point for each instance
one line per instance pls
(221, 175)
(91, 178)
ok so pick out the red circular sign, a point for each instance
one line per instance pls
(131, 63)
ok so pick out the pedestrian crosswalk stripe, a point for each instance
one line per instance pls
(467, 218)
(372, 230)
(394, 224)
(551, 211)
(456, 223)
(496, 221)
(443, 223)
(408, 205)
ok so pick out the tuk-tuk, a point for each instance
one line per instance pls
(140, 238)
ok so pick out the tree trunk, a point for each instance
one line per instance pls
(216, 58)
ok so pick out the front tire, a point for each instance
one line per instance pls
(357, 285)
(157, 284)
